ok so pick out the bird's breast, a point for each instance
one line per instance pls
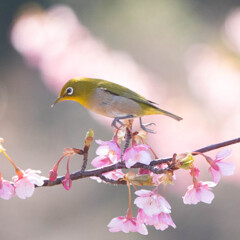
(110, 105)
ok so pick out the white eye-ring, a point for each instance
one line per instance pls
(69, 91)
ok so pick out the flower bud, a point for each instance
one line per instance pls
(53, 175)
(67, 182)
(185, 160)
(89, 137)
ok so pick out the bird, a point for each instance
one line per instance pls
(111, 100)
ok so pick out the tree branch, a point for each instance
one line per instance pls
(121, 165)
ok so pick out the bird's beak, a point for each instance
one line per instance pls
(56, 101)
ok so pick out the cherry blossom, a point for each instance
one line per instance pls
(151, 203)
(114, 175)
(160, 221)
(127, 224)
(199, 192)
(144, 218)
(218, 167)
(6, 189)
(109, 152)
(137, 153)
(164, 220)
(25, 184)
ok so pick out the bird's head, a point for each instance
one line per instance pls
(71, 90)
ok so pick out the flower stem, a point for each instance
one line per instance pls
(68, 165)
(129, 211)
(58, 162)
(10, 160)
(17, 169)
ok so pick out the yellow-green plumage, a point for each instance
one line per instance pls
(109, 99)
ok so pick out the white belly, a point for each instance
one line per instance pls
(113, 106)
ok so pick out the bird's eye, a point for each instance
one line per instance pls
(69, 91)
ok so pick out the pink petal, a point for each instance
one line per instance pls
(130, 162)
(143, 193)
(143, 218)
(205, 195)
(110, 149)
(102, 150)
(142, 229)
(208, 183)
(164, 205)
(7, 190)
(144, 157)
(149, 205)
(223, 154)
(127, 225)
(191, 197)
(136, 154)
(141, 147)
(115, 224)
(115, 175)
(101, 161)
(34, 178)
(216, 175)
(152, 203)
(99, 141)
(24, 188)
(164, 220)
(227, 168)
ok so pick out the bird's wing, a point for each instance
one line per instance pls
(119, 90)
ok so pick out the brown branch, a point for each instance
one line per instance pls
(85, 158)
(127, 139)
(121, 165)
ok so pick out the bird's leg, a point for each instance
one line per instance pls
(144, 126)
(117, 120)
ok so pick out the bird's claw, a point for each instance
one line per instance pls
(148, 129)
(144, 126)
(117, 120)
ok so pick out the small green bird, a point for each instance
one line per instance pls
(111, 100)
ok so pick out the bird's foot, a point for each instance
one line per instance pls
(114, 123)
(145, 126)
(117, 120)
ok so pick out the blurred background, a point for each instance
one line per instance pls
(184, 55)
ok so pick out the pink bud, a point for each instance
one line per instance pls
(67, 182)
(53, 175)
(143, 171)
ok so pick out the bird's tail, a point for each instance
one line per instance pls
(170, 115)
(156, 110)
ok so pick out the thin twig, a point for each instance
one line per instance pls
(127, 139)
(108, 180)
(85, 158)
(121, 165)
